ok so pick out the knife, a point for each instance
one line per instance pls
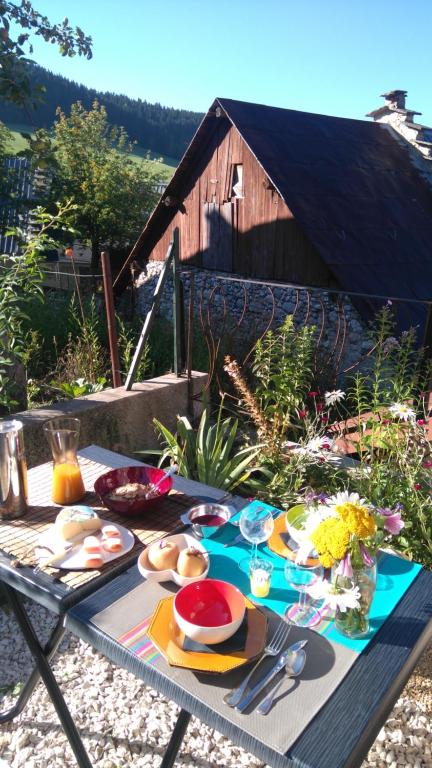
(237, 540)
(277, 667)
(71, 544)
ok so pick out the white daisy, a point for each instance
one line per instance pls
(402, 411)
(340, 598)
(345, 497)
(334, 397)
(317, 444)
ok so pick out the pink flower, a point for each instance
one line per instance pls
(324, 418)
(319, 407)
(421, 422)
(344, 568)
(427, 464)
(312, 394)
(302, 414)
(386, 421)
(367, 559)
(417, 486)
(393, 522)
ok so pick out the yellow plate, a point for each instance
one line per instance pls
(277, 543)
(166, 636)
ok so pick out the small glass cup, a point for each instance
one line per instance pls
(300, 577)
(260, 572)
(67, 484)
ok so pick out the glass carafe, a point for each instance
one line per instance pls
(67, 485)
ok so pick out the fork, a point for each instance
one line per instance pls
(272, 649)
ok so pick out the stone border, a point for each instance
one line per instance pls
(116, 419)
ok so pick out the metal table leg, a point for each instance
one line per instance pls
(34, 677)
(44, 671)
(176, 739)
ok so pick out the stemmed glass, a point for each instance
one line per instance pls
(300, 578)
(256, 525)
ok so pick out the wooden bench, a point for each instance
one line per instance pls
(347, 435)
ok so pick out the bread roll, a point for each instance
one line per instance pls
(191, 562)
(163, 555)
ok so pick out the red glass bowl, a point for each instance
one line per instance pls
(209, 611)
(107, 483)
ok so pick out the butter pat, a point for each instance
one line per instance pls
(71, 521)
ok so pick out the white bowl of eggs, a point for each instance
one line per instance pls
(180, 558)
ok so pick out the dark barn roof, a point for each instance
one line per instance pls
(350, 185)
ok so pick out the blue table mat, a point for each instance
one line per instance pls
(395, 575)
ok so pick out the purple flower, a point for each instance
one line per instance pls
(311, 497)
(367, 559)
(344, 568)
(393, 522)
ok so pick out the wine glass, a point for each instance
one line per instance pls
(256, 525)
(300, 577)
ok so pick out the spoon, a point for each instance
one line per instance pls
(293, 668)
(154, 486)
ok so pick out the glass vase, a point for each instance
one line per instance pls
(354, 622)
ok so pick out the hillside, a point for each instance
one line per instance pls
(162, 130)
(166, 165)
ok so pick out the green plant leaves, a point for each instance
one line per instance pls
(208, 453)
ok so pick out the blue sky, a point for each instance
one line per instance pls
(329, 56)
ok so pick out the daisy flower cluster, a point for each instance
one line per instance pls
(344, 531)
(347, 530)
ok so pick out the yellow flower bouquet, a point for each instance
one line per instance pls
(345, 531)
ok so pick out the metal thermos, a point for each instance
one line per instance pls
(13, 470)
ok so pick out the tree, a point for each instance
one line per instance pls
(113, 193)
(5, 142)
(15, 83)
(21, 279)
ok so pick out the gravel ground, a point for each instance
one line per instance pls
(102, 699)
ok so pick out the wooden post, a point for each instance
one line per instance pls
(148, 322)
(177, 314)
(110, 316)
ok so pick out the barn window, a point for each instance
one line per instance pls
(237, 180)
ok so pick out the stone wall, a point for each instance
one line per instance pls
(116, 419)
(240, 311)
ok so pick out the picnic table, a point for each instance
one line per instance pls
(330, 718)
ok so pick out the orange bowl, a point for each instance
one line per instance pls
(111, 481)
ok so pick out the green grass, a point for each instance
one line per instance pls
(19, 142)
(170, 162)
(167, 164)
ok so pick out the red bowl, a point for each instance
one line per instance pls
(209, 611)
(110, 481)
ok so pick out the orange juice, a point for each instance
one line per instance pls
(260, 583)
(67, 484)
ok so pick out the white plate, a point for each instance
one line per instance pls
(75, 560)
(183, 541)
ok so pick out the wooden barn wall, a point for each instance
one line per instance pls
(255, 235)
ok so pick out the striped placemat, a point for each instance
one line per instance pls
(136, 641)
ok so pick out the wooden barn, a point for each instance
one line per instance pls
(301, 198)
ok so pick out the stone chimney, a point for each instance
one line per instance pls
(394, 113)
(395, 99)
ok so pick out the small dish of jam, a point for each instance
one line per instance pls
(208, 519)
